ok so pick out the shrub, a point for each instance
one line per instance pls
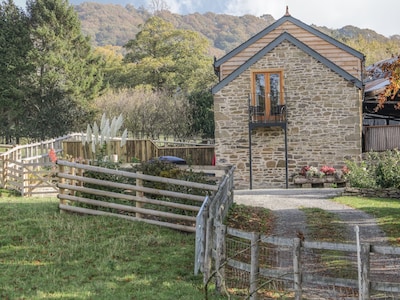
(360, 175)
(388, 170)
(377, 170)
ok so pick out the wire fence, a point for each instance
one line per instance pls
(261, 267)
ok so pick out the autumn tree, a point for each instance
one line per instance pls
(392, 91)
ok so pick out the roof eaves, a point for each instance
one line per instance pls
(275, 25)
(250, 41)
(297, 43)
(327, 38)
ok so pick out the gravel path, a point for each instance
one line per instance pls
(285, 204)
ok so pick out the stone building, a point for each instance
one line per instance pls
(290, 96)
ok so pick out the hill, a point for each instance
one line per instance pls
(111, 24)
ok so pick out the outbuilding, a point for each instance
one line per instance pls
(291, 96)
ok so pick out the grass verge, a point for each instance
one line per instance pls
(48, 255)
(324, 226)
(385, 211)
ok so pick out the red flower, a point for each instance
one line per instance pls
(52, 155)
(328, 170)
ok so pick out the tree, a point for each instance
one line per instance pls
(116, 72)
(149, 114)
(67, 75)
(15, 44)
(392, 70)
(202, 113)
(168, 58)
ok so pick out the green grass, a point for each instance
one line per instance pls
(324, 226)
(48, 255)
(386, 212)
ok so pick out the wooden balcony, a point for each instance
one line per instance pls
(259, 117)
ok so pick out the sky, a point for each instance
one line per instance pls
(378, 15)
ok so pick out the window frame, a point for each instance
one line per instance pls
(266, 114)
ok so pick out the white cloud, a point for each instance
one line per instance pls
(182, 6)
(380, 16)
(255, 7)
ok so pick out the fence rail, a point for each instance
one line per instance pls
(213, 209)
(132, 200)
(303, 268)
(27, 168)
(144, 150)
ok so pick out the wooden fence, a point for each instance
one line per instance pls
(302, 268)
(144, 150)
(27, 168)
(214, 209)
(132, 200)
(381, 138)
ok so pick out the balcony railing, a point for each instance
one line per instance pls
(275, 115)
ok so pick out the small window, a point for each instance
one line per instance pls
(267, 94)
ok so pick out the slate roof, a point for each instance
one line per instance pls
(283, 37)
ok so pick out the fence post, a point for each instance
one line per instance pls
(365, 268)
(297, 268)
(220, 257)
(4, 172)
(209, 241)
(25, 181)
(61, 191)
(255, 265)
(139, 183)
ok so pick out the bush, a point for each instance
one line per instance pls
(377, 170)
(360, 175)
(388, 170)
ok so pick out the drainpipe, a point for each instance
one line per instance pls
(250, 156)
(286, 157)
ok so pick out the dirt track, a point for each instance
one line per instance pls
(290, 219)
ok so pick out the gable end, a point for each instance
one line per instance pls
(276, 25)
(288, 37)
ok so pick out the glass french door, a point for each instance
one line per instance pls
(268, 99)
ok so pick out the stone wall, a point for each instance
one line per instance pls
(323, 113)
(372, 193)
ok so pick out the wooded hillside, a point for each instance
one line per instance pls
(111, 24)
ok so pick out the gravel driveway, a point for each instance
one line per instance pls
(285, 204)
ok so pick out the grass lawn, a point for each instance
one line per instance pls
(386, 212)
(48, 255)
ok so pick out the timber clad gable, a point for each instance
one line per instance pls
(339, 53)
(288, 97)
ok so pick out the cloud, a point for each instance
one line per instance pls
(256, 7)
(183, 6)
(380, 16)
